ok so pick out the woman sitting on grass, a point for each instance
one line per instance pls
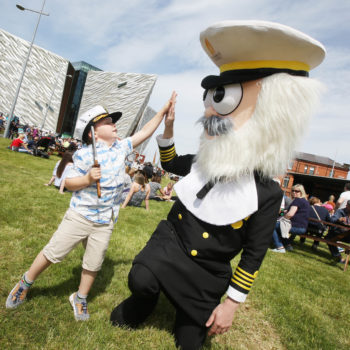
(138, 193)
(298, 214)
(155, 187)
(60, 171)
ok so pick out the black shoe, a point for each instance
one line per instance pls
(288, 248)
(339, 259)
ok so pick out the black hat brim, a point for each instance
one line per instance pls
(242, 75)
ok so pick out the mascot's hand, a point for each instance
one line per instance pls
(221, 318)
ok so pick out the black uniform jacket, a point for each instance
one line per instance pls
(191, 258)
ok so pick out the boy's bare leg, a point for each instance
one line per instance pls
(86, 281)
(39, 264)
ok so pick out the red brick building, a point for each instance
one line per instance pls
(321, 176)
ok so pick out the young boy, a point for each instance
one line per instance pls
(89, 219)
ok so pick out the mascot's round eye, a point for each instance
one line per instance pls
(227, 98)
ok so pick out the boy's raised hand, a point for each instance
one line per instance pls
(150, 127)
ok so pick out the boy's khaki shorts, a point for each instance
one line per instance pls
(74, 229)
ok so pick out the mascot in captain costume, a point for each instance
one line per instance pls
(256, 110)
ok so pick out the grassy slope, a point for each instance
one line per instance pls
(299, 301)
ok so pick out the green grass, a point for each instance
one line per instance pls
(299, 301)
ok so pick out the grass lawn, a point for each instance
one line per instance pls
(299, 301)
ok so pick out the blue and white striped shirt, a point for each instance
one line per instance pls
(112, 162)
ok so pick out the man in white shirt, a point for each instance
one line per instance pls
(344, 197)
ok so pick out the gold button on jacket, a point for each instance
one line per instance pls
(205, 235)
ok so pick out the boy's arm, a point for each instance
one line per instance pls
(78, 183)
(153, 124)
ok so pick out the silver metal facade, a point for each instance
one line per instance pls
(42, 85)
(128, 93)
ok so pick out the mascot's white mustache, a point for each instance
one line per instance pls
(215, 125)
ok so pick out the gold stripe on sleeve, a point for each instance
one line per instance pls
(246, 273)
(241, 285)
(235, 278)
(243, 276)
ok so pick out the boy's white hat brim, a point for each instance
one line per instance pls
(86, 118)
(249, 45)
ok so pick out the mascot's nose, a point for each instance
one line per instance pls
(209, 111)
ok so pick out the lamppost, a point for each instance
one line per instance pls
(53, 91)
(6, 134)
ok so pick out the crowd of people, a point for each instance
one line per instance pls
(30, 139)
(143, 183)
(295, 220)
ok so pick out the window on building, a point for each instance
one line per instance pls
(312, 170)
(286, 182)
(305, 169)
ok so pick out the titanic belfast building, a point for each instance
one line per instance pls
(54, 91)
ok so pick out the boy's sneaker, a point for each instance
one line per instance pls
(17, 295)
(79, 307)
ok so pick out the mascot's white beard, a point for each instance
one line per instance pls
(266, 142)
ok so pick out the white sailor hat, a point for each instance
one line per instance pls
(249, 50)
(91, 117)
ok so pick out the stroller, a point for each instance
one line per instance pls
(40, 148)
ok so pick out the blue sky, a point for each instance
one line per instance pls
(162, 38)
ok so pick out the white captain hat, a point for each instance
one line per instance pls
(249, 50)
(89, 118)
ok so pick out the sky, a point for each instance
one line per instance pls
(162, 37)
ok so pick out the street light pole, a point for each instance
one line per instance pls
(9, 120)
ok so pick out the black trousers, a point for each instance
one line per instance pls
(333, 249)
(135, 309)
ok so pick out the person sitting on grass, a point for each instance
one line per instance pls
(318, 212)
(155, 188)
(19, 145)
(63, 170)
(89, 219)
(341, 217)
(60, 171)
(139, 192)
(298, 214)
(168, 192)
